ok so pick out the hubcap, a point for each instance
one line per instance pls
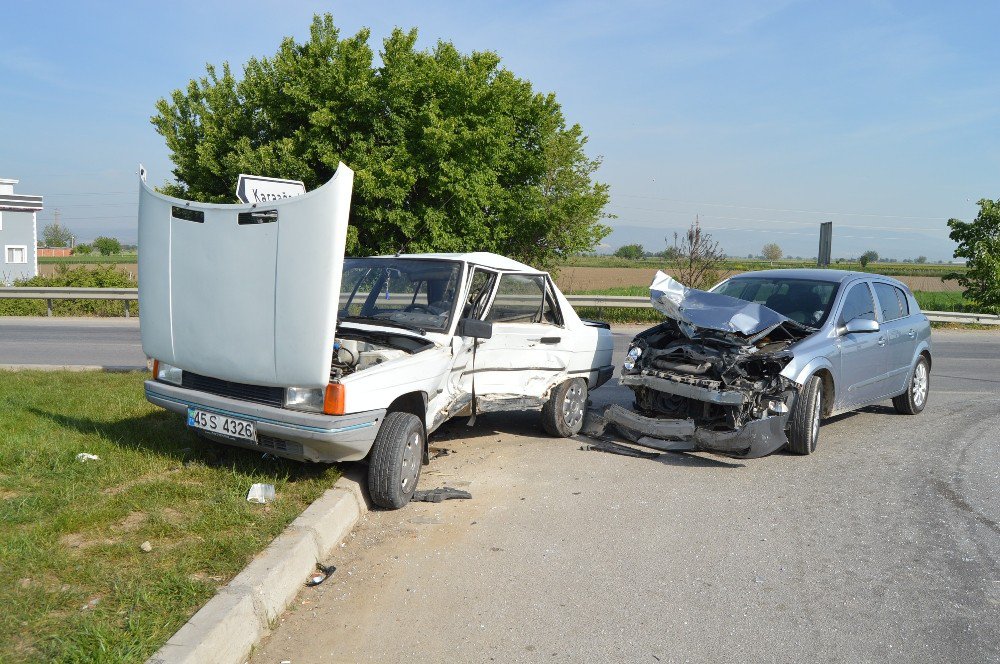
(411, 462)
(919, 388)
(573, 405)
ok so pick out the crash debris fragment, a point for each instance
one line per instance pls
(440, 494)
(322, 573)
(83, 457)
(615, 448)
(261, 494)
(146, 547)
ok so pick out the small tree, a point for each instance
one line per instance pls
(107, 245)
(921, 259)
(83, 249)
(868, 257)
(55, 235)
(979, 243)
(772, 252)
(700, 257)
(630, 251)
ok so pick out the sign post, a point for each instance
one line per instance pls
(825, 243)
(259, 189)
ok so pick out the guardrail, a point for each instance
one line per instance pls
(599, 301)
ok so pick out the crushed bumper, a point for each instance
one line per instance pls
(286, 433)
(754, 439)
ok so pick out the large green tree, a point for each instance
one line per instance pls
(451, 151)
(979, 244)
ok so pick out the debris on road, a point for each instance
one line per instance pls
(440, 494)
(615, 448)
(146, 546)
(439, 452)
(322, 573)
(261, 493)
(83, 457)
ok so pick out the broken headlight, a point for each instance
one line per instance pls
(305, 398)
(631, 358)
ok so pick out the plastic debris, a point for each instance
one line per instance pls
(83, 457)
(615, 448)
(261, 493)
(440, 494)
(91, 604)
(439, 452)
(146, 546)
(322, 573)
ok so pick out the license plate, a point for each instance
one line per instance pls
(221, 424)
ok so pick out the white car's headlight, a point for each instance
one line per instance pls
(305, 398)
(167, 373)
(631, 358)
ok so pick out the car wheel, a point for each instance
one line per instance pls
(913, 400)
(562, 414)
(394, 465)
(804, 430)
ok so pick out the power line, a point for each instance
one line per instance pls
(750, 207)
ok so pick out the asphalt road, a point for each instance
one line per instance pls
(883, 546)
(106, 342)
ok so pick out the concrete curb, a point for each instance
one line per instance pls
(73, 367)
(231, 623)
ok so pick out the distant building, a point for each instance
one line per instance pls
(18, 233)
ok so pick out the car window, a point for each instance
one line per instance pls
(480, 287)
(550, 309)
(519, 299)
(418, 292)
(858, 304)
(888, 301)
(805, 301)
(904, 302)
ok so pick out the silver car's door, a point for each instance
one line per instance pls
(901, 338)
(863, 357)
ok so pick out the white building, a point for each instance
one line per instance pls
(18, 233)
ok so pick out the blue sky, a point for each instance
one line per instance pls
(763, 118)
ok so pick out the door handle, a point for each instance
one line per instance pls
(547, 340)
(881, 341)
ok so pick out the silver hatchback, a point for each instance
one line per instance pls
(753, 365)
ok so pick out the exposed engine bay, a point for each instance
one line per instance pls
(355, 350)
(710, 375)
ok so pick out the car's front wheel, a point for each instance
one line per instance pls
(562, 414)
(396, 456)
(804, 429)
(913, 400)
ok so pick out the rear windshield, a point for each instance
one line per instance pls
(805, 301)
(406, 291)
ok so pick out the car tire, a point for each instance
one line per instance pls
(918, 388)
(396, 457)
(562, 414)
(804, 430)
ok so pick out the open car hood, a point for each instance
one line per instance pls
(245, 298)
(714, 311)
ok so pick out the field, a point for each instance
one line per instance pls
(746, 265)
(589, 279)
(75, 584)
(89, 259)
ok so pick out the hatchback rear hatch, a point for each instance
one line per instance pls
(245, 293)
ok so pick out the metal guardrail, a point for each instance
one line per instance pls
(599, 301)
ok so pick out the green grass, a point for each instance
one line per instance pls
(71, 531)
(90, 259)
(747, 265)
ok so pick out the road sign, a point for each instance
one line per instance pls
(259, 189)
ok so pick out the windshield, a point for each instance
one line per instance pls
(406, 292)
(805, 301)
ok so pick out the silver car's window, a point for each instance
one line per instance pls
(888, 301)
(805, 301)
(858, 304)
(519, 299)
(403, 290)
(904, 302)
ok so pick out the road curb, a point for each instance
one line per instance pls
(231, 623)
(73, 367)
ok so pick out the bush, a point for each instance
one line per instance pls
(82, 249)
(108, 246)
(105, 276)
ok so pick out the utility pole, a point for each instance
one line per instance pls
(825, 244)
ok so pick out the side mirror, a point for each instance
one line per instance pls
(478, 329)
(862, 325)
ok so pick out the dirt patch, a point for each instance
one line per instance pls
(81, 541)
(131, 522)
(7, 494)
(579, 279)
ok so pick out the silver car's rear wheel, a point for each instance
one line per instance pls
(914, 400)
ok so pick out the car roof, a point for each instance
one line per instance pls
(483, 258)
(817, 274)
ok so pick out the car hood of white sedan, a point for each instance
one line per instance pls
(246, 293)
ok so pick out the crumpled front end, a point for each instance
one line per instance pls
(708, 378)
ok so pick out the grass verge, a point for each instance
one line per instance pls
(74, 583)
(90, 259)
